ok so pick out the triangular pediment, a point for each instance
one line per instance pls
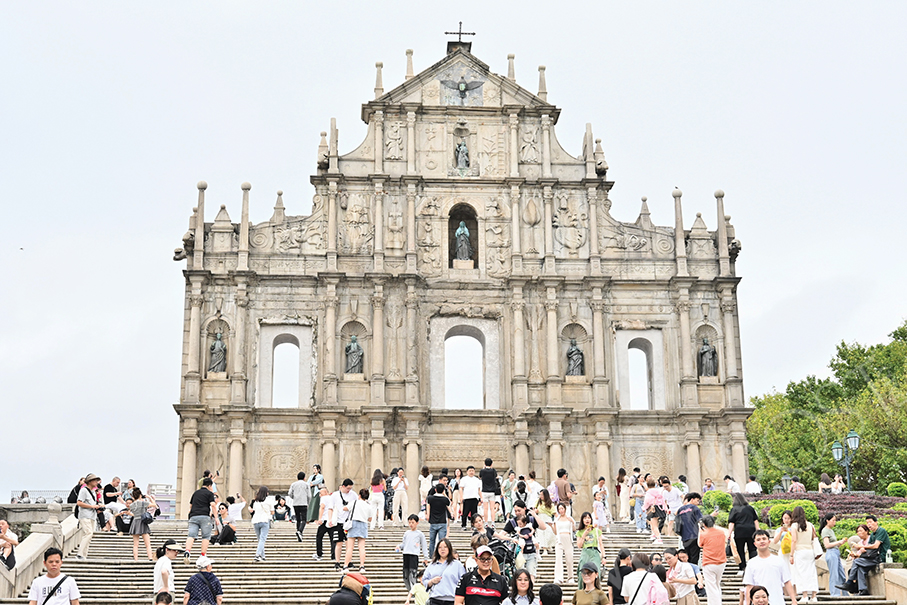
(462, 80)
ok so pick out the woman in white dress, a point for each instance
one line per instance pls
(802, 557)
(623, 491)
(546, 510)
(563, 548)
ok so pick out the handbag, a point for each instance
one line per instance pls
(817, 546)
(147, 518)
(348, 524)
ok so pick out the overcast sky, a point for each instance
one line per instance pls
(111, 112)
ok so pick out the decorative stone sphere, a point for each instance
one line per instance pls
(719, 193)
(54, 508)
(677, 193)
(246, 186)
(40, 500)
(279, 192)
(645, 199)
(58, 499)
(202, 185)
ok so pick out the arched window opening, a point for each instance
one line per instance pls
(467, 215)
(640, 385)
(464, 373)
(285, 376)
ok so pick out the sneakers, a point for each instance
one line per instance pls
(298, 535)
(258, 559)
(362, 570)
(187, 557)
(344, 570)
(316, 557)
(658, 541)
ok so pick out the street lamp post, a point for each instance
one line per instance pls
(844, 454)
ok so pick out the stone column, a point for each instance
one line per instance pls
(694, 465)
(522, 442)
(379, 226)
(412, 473)
(594, 256)
(603, 461)
(738, 460)
(546, 147)
(551, 308)
(329, 334)
(515, 219)
(548, 252)
(514, 146)
(412, 359)
(599, 345)
(377, 457)
(730, 342)
(378, 117)
(377, 382)
(332, 225)
(195, 321)
(234, 481)
(329, 464)
(411, 228)
(519, 330)
(238, 376)
(411, 142)
(688, 394)
(555, 456)
(189, 469)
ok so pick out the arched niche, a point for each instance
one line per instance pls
(272, 335)
(710, 332)
(357, 329)
(650, 342)
(215, 326)
(467, 214)
(486, 331)
(578, 332)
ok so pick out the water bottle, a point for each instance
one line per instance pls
(888, 557)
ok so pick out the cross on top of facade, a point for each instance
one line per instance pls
(460, 33)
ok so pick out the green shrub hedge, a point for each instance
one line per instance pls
(897, 490)
(722, 500)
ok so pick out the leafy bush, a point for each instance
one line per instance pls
(901, 506)
(722, 500)
(809, 508)
(897, 490)
(721, 519)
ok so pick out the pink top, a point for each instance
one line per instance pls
(654, 497)
(378, 488)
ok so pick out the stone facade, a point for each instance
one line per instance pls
(375, 259)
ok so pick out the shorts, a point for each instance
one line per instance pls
(488, 497)
(338, 532)
(200, 523)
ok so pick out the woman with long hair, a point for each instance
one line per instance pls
(281, 510)
(521, 590)
(832, 554)
(546, 538)
(224, 523)
(622, 488)
(742, 523)
(261, 520)
(425, 479)
(824, 484)
(563, 548)
(508, 487)
(802, 559)
(376, 498)
(315, 482)
(163, 569)
(443, 574)
(140, 505)
(656, 509)
(782, 537)
(589, 541)
(455, 492)
(621, 568)
(638, 495)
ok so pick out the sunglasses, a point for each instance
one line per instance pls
(485, 559)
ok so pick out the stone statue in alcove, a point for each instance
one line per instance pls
(708, 359)
(462, 155)
(354, 356)
(463, 249)
(218, 355)
(576, 365)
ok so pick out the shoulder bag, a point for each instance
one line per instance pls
(348, 524)
(817, 546)
(210, 588)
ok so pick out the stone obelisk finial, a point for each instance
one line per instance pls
(511, 72)
(543, 88)
(409, 63)
(379, 83)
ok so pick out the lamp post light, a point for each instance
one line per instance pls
(785, 481)
(844, 454)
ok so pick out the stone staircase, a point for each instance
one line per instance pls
(290, 575)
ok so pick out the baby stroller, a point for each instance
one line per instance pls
(506, 553)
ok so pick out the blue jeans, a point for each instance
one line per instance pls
(640, 516)
(261, 531)
(836, 575)
(436, 533)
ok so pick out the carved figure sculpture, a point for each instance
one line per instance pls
(529, 151)
(463, 249)
(393, 147)
(354, 356)
(462, 155)
(576, 365)
(462, 87)
(218, 355)
(708, 359)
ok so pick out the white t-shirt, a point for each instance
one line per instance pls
(398, 484)
(632, 581)
(67, 592)
(163, 564)
(7, 546)
(534, 488)
(770, 572)
(673, 498)
(363, 511)
(337, 504)
(261, 512)
(733, 487)
(682, 571)
(472, 487)
(234, 511)
(753, 487)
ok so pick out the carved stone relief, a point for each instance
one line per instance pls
(396, 237)
(429, 250)
(393, 141)
(276, 463)
(357, 232)
(571, 225)
(529, 145)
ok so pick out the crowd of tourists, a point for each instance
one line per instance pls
(514, 521)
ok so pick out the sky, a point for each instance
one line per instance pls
(111, 112)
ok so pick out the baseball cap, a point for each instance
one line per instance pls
(589, 566)
(483, 549)
(203, 562)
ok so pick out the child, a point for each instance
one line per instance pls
(164, 598)
(603, 517)
(418, 591)
(412, 540)
(526, 531)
